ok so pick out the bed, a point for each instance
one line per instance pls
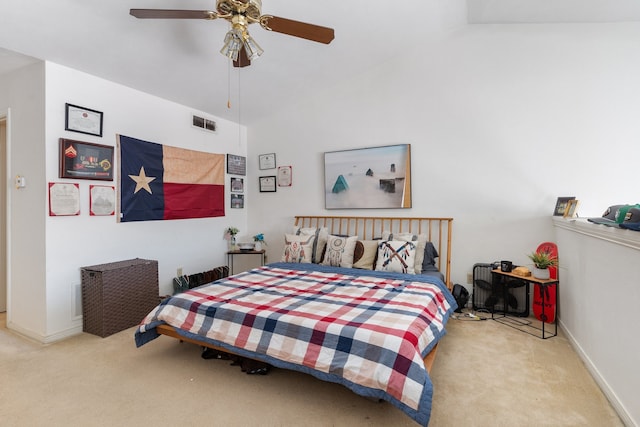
(371, 330)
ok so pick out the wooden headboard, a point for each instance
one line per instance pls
(438, 231)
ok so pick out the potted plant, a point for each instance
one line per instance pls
(542, 261)
(230, 237)
(259, 239)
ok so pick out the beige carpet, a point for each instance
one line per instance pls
(486, 374)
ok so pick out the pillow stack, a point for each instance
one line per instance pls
(395, 252)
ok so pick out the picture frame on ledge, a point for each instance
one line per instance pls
(561, 205)
(571, 209)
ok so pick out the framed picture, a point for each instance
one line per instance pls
(236, 165)
(267, 161)
(237, 185)
(82, 120)
(561, 205)
(64, 199)
(284, 176)
(102, 200)
(84, 160)
(237, 201)
(267, 184)
(378, 177)
(570, 211)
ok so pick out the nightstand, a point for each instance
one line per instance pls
(525, 325)
(255, 254)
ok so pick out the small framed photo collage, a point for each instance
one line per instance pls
(274, 176)
(280, 177)
(267, 183)
(83, 160)
(236, 165)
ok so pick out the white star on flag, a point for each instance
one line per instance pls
(142, 181)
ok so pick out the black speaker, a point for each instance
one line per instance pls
(461, 294)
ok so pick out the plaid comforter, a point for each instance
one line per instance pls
(366, 330)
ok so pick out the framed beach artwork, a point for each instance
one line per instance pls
(368, 178)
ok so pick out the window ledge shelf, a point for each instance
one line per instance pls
(629, 238)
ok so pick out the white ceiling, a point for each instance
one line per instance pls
(552, 11)
(179, 60)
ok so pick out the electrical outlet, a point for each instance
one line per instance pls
(179, 272)
(470, 278)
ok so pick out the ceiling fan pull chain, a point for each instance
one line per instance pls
(229, 85)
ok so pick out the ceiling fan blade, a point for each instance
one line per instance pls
(172, 14)
(243, 60)
(303, 30)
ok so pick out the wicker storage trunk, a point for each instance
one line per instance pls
(118, 295)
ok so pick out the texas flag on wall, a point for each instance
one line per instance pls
(161, 182)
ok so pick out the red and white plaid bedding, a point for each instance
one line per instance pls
(366, 330)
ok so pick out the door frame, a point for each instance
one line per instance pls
(5, 218)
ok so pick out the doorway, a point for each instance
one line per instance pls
(3, 213)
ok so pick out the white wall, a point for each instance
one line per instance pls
(599, 295)
(502, 120)
(23, 93)
(49, 251)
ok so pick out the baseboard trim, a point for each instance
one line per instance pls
(45, 339)
(611, 396)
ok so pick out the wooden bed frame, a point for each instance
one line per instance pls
(438, 231)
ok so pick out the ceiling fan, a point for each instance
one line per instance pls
(239, 46)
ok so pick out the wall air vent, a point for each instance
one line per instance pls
(202, 123)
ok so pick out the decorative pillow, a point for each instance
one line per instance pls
(339, 252)
(297, 248)
(321, 234)
(419, 239)
(397, 256)
(365, 254)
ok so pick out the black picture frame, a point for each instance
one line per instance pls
(85, 160)
(267, 184)
(267, 161)
(236, 165)
(237, 185)
(237, 201)
(82, 120)
(561, 205)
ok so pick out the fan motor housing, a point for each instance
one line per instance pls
(252, 9)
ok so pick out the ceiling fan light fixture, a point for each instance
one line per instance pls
(252, 48)
(232, 45)
(238, 45)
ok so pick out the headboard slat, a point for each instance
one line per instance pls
(438, 231)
